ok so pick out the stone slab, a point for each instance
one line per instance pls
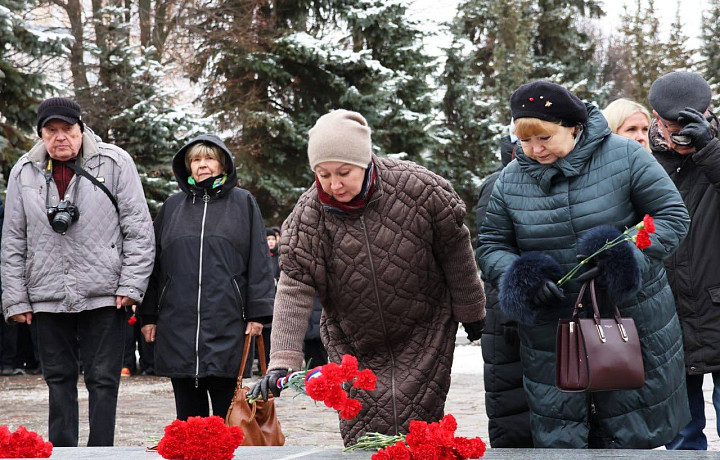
(328, 453)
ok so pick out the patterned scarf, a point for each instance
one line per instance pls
(357, 204)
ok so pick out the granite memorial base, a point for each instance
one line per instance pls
(329, 453)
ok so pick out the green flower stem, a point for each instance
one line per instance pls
(375, 441)
(623, 237)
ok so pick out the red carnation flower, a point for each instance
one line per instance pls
(642, 239)
(351, 409)
(23, 444)
(200, 437)
(349, 367)
(648, 224)
(470, 448)
(399, 451)
(366, 380)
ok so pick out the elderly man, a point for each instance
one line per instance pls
(77, 250)
(683, 138)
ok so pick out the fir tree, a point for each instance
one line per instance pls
(564, 50)
(640, 31)
(127, 102)
(24, 48)
(710, 50)
(676, 55)
(271, 68)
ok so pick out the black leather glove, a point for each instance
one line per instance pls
(474, 330)
(696, 127)
(511, 335)
(548, 296)
(592, 270)
(268, 382)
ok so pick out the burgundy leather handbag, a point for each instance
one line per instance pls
(597, 354)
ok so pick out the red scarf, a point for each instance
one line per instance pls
(357, 204)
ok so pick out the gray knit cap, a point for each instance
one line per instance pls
(340, 135)
(672, 93)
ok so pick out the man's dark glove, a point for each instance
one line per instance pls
(269, 382)
(696, 127)
(474, 330)
(549, 296)
(511, 335)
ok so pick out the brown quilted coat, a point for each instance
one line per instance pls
(394, 283)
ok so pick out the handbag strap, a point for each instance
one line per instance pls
(246, 351)
(578, 302)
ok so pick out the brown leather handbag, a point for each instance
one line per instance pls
(258, 420)
(597, 354)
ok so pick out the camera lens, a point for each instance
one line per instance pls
(61, 222)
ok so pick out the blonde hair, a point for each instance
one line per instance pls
(620, 110)
(213, 151)
(528, 127)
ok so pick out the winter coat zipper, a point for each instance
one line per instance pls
(206, 200)
(384, 327)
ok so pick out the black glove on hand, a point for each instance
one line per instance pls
(511, 335)
(696, 127)
(592, 270)
(474, 330)
(548, 296)
(268, 383)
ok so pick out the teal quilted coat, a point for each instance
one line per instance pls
(606, 179)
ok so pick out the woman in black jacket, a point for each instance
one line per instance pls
(505, 402)
(212, 284)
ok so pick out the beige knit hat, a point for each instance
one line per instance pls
(340, 135)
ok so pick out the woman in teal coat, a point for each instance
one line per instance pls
(572, 186)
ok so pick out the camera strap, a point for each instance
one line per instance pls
(82, 172)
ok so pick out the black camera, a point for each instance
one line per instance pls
(62, 215)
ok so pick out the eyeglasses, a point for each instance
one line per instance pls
(678, 139)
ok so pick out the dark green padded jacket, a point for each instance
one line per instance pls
(606, 179)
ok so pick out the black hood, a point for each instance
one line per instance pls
(182, 174)
(507, 150)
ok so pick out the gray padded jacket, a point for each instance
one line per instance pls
(102, 255)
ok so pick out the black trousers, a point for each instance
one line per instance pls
(314, 352)
(192, 401)
(135, 340)
(8, 344)
(97, 336)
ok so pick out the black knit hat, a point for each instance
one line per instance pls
(672, 93)
(59, 108)
(547, 101)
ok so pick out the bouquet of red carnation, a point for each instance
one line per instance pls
(327, 384)
(641, 240)
(200, 437)
(424, 441)
(23, 444)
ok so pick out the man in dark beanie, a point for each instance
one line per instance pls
(683, 138)
(77, 251)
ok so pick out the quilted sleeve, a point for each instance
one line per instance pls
(453, 251)
(301, 263)
(496, 240)
(15, 298)
(137, 229)
(654, 193)
(293, 305)
(148, 310)
(261, 283)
